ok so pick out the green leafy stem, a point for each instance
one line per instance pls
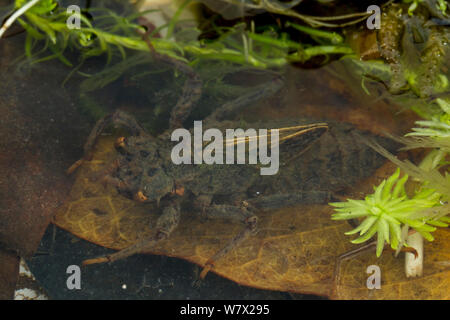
(389, 208)
(45, 21)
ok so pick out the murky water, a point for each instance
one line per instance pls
(275, 229)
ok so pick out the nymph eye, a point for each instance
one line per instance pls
(139, 196)
(121, 145)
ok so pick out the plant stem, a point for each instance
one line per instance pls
(16, 15)
(413, 265)
(334, 37)
(308, 53)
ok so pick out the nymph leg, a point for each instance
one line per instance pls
(166, 223)
(233, 213)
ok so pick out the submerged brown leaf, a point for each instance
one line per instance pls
(295, 249)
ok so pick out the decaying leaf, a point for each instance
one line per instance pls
(295, 249)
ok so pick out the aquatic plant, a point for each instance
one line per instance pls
(389, 210)
(109, 33)
(437, 127)
(440, 5)
(415, 48)
(433, 57)
(389, 42)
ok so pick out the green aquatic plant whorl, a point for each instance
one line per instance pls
(387, 210)
(436, 128)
